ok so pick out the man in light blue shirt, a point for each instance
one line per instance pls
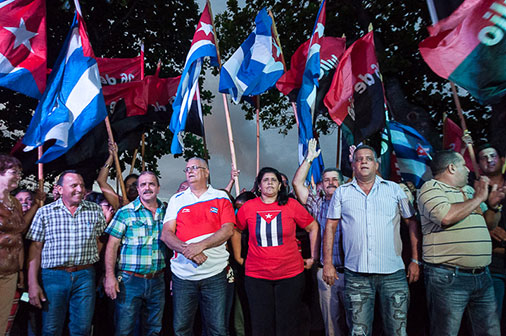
(369, 210)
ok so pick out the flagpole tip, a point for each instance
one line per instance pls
(369, 29)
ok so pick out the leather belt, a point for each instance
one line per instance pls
(144, 276)
(476, 270)
(74, 268)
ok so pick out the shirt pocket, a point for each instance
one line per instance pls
(137, 231)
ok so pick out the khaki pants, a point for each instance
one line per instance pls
(8, 285)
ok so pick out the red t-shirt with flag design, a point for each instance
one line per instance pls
(273, 253)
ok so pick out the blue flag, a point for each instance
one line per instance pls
(72, 103)
(412, 152)
(307, 95)
(202, 45)
(256, 66)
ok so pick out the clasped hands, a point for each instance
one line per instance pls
(194, 252)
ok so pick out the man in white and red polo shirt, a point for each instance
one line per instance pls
(197, 224)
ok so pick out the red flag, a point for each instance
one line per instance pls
(452, 139)
(119, 70)
(332, 48)
(23, 49)
(133, 93)
(468, 48)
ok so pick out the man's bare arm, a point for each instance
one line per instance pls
(298, 183)
(35, 292)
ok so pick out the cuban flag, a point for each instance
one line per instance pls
(412, 152)
(307, 95)
(256, 66)
(23, 49)
(73, 102)
(269, 228)
(202, 45)
(468, 48)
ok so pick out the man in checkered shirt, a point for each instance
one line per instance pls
(140, 285)
(65, 246)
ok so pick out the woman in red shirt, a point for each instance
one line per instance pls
(274, 280)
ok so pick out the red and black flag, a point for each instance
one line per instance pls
(356, 96)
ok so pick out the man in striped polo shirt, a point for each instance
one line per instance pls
(457, 247)
(369, 211)
(197, 225)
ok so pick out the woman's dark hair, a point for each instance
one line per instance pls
(133, 176)
(96, 197)
(282, 198)
(8, 162)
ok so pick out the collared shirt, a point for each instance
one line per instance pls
(318, 207)
(466, 243)
(371, 225)
(68, 239)
(142, 250)
(196, 219)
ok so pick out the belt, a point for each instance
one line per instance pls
(144, 276)
(74, 268)
(476, 270)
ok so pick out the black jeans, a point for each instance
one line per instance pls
(274, 305)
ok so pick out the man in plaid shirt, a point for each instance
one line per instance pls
(65, 245)
(331, 297)
(140, 286)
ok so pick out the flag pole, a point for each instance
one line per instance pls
(143, 146)
(275, 30)
(227, 112)
(40, 167)
(257, 100)
(339, 147)
(134, 158)
(116, 159)
(470, 148)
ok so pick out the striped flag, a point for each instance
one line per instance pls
(23, 49)
(256, 66)
(268, 228)
(412, 152)
(202, 45)
(307, 95)
(73, 102)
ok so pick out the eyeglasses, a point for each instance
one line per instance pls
(190, 168)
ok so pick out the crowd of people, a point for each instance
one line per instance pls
(333, 258)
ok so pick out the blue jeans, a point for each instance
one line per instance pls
(140, 297)
(499, 281)
(450, 292)
(72, 291)
(360, 290)
(210, 293)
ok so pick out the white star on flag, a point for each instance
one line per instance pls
(22, 35)
(268, 216)
(206, 28)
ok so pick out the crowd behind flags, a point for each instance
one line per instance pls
(73, 103)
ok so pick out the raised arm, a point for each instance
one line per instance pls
(298, 183)
(109, 193)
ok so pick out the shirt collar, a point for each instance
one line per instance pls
(137, 204)
(59, 204)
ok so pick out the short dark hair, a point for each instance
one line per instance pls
(365, 147)
(8, 162)
(147, 172)
(24, 190)
(442, 159)
(486, 146)
(245, 196)
(339, 174)
(65, 172)
(95, 197)
(282, 198)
